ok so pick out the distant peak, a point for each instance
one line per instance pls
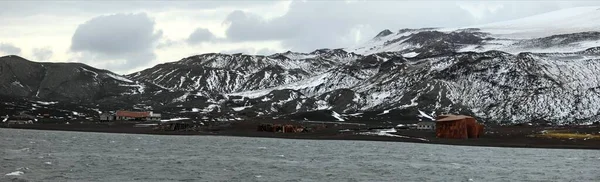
(384, 33)
(329, 51)
(14, 57)
(405, 30)
(11, 56)
(320, 51)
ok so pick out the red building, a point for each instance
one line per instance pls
(458, 126)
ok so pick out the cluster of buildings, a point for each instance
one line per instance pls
(452, 126)
(122, 115)
(130, 116)
(22, 118)
(281, 128)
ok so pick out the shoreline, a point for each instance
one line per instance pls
(489, 140)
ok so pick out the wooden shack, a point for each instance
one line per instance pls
(137, 116)
(458, 126)
(107, 116)
(426, 125)
(278, 128)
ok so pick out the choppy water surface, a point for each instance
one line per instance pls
(76, 156)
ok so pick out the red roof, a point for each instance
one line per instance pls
(133, 114)
(452, 117)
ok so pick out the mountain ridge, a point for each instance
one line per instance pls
(393, 77)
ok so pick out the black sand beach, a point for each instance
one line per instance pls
(497, 136)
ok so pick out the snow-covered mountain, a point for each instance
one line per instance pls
(223, 73)
(515, 71)
(565, 30)
(565, 21)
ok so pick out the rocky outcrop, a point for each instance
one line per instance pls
(62, 81)
(384, 33)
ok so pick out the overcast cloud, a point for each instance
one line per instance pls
(42, 54)
(200, 35)
(7, 48)
(29, 7)
(131, 37)
(310, 25)
(127, 36)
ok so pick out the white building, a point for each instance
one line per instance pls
(426, 125)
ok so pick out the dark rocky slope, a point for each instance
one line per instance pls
(495, 86)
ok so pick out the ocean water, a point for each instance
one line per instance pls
(29, 155)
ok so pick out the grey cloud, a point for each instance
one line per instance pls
(42, 54)
(167, 43)
(310, 25)
(30, 8)
(7, 48)
(112, 63)
(325, 24)
(248, 27)
(200, 35)
(120, 36)
(115, 34)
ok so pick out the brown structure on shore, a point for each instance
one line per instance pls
(137, 116)
(179, 126)
(280, 128)
(457, 126)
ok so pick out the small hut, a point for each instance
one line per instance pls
(22, 118)
(426, 125)
(278, 128)
(458, 126)
(106, 116)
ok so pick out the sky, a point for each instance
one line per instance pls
(128, 36)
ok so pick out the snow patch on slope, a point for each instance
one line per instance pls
(46, 103)
(425, 115)
(337, 116)
(410, 54)
(16, 173)
(120, 78)
(182, 98)
(306, 83)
